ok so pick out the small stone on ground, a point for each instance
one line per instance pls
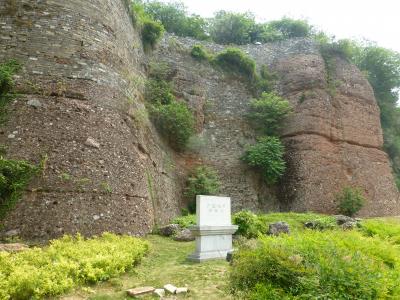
(278, 228)
(182, 290)
(159, 292)
(140, 291)
(17, 247)
(170, 288)
(184, 236)
(169, 229)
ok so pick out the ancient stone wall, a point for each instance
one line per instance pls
(333, 139)
(81, 110)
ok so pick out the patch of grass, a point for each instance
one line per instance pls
(200, 53)
(68, 262)
(387, 229)
(7, 71)
(166, 263)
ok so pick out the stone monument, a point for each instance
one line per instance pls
(214, 229)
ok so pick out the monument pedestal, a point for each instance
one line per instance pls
(212, 242)
(214, 230)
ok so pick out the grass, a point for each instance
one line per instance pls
(166, 263)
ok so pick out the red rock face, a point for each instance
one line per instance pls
(333, 139)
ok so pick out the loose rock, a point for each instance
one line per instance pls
(170, 288)
(140, 291)
(169, 230)
(278, 228)
(91, 142)
(182, 290)
(184, 236)
(35, 103)
(159, 292)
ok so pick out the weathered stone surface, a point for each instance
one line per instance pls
(341, 219)
(278, 228)
(140, 291)
(159, 292)
(169, 229)
(184, 235)
(17, 247)
(182, 290)
(83, 61)
(170, 288)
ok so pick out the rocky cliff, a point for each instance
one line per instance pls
(81, 108)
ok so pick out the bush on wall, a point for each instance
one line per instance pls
(175, 122)
(350, 201)
(203, 181)
(236, 61)
(268, 112)
(267, 156)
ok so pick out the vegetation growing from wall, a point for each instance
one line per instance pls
(67, 263)
(175, 122)
(172, 118)
(268, 112)
(267, 156)
(7, 71)
(151, 29)
(236, 61)
(14, 177)
(200, 53)
(350, 201)
(203, 181)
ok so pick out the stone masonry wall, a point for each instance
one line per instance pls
(81, 109)
(333, 139)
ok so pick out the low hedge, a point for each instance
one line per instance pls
(67, 263)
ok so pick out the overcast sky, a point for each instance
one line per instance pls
(375, 20)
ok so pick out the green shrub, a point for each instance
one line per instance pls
(152, 32)
(267, 156)
(290, 28)
(14, 177)
(250, 225)
(200, 53)
(236, 61)
(232, 28)
(268, 112)
(67, 263)
(185, 221)
(318, 265)
(175, 122)
(159, 92)
(203, 181)
(350, 201)
(175, 18)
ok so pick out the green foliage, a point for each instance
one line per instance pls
(185, 221)
(383, 229)
(174, 17)
(268, 112)
(152, 32)
(67, 263)
(236, 61)
(14, 177)
(290, 28)
(267, 156)
(175, 122)
(232, 28)
(350, 201)
(318, 265)
(159, 92)
(7, 71)
(203, 181)
(250, 225)
(200, 53)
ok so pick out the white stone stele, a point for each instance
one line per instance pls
(214, 229)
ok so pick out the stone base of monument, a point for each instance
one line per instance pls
(212, 242)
